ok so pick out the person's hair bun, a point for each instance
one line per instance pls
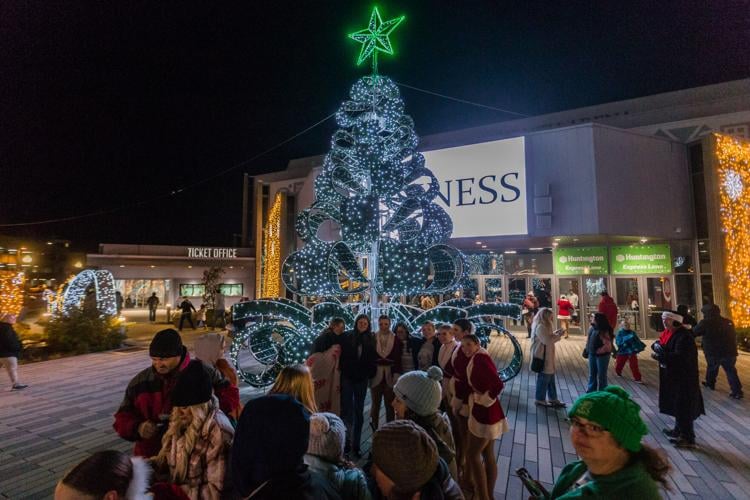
(435, 373)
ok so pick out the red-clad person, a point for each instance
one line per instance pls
(461, 390)
(143, 415)
(486, 418)
(608, 308)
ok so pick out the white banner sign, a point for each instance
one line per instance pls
(482, 187)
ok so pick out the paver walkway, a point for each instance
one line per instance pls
(66, 414)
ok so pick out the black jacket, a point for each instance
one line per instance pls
(356, 366)
(719, 337)
(416, 343)
(186, 306)
(326, 340)
(10, 346)
(679, 388)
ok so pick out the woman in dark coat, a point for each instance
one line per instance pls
(679, 390)
(358, 366)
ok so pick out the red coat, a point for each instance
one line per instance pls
(486, 418)
(609, 309)
(461, 389)
(149, 395)
(565, 308)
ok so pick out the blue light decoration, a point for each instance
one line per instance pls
(374, 186)
(103, 284)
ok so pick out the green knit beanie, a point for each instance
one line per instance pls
(613, 409)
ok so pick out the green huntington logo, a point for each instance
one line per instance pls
(646, 259)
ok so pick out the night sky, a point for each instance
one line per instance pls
(105, 105)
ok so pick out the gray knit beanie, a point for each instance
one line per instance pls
(327, 436)
(420, 390)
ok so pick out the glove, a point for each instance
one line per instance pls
(657, 348)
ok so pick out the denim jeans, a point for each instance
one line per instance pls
(353, 395)
(728, 363)
(597, 372)
(545, 383)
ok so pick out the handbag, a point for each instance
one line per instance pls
(537, 364)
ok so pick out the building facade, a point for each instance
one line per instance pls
(640, 198)
(174, 271)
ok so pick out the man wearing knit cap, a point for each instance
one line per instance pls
(418, 396)
(406, 464)
(606, 430)
(144, 412)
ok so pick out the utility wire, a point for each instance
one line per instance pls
(174, 191)
(463, 101)
(199, 182)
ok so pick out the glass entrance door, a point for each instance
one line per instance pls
(571, 288)
(519, 286)
(660, 296)
(628, 300)
(593, 286)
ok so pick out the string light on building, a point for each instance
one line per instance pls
(272, 251)
(11, 292)
(733, 157)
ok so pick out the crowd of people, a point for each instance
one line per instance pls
(441, 392)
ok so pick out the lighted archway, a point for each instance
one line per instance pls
(104, 287)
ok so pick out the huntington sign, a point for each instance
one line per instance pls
(212, 253)
(580, 260)
(641, 259)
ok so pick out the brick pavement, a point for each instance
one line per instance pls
(66, 414)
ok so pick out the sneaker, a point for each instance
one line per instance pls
(639, 381)
(541, 403)
(619, 374)
(707, 385)
(737, 395)
(671, 433)
(18, 387)
(557, 404)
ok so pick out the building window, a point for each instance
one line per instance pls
(739, 130)
(231, 289)
(192, 290)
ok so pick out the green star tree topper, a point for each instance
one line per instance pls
(374, 38)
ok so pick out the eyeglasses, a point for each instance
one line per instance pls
(591, 430)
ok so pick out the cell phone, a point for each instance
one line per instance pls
(535, 487)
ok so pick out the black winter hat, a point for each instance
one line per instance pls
(166, 344)
(270, 441)
(193, 385)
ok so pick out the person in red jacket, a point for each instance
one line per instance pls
(486, 418)
(608, 308)
(144, 412)
(564, 313)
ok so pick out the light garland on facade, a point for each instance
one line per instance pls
(11, 292)
(272, 250)
(733, 157)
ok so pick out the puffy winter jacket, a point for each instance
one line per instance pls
(148, 397)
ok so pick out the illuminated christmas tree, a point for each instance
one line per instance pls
(376, 188)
